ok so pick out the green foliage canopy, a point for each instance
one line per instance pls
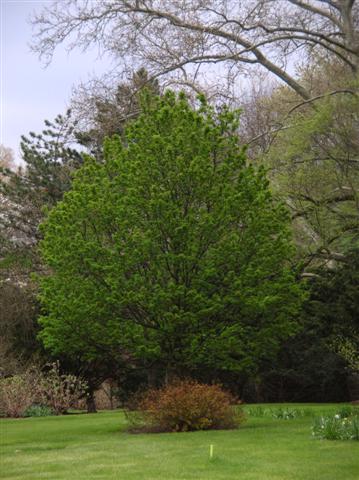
(172, 249)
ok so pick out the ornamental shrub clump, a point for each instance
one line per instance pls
(286, 413)
(278, 413)
(17, 393)
(38, 393)
(61, 391)
(38, 411)
(183, 406)
(335, 427)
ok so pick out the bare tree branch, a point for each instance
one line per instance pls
(164, 35)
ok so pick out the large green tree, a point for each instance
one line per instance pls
(171, 251)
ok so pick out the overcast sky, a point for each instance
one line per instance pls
(31, 93)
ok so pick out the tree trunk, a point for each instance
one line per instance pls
(258, 390)
(91, 403)
(169, 375)
(151, 377)
(353, 387)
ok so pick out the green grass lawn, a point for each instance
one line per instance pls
(98, 447)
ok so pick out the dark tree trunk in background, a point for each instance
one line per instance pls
(353, 386)
(151, 377)
(91, 403)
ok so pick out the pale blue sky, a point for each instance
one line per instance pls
(31, 93)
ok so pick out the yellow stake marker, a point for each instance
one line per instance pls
(211, 451)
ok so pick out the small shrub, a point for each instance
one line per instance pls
(354, 428)
(282, 413)
(38, 411)
(185, 406)
(329, 428)
(61, 391)
(287, 413)
(57, 391)
(345, 411)
(258, 411)
(336, 428)
(18, 392)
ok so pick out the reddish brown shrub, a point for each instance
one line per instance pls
(186, 406)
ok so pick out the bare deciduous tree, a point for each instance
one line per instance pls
(6, 157)
(184, 38)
